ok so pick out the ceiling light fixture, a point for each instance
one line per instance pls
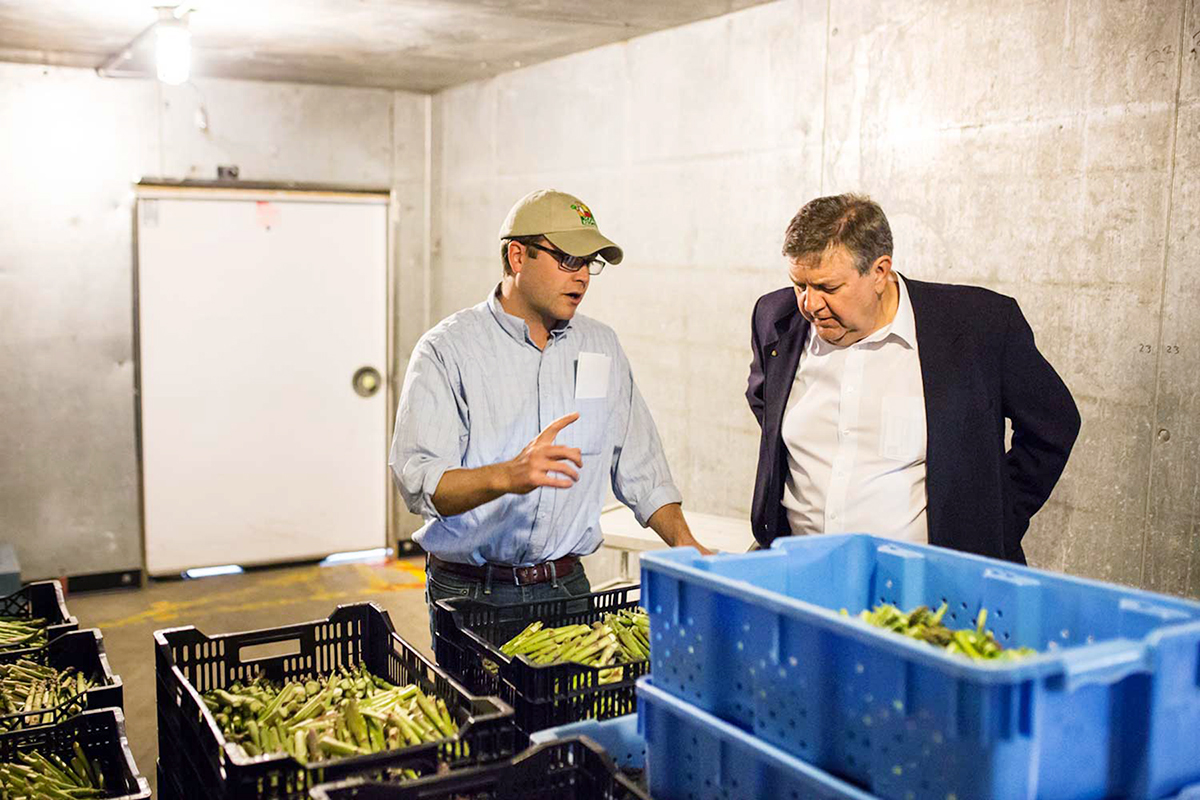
(172, 48)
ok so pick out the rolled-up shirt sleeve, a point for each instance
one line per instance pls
(430, 431)
(641, 478)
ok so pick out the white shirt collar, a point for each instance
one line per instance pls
(903, 326)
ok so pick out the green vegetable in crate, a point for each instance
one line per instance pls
(48, 776)
(22, 632)
(925, 625)
(346, 713)
(26, 686)
(620, 638)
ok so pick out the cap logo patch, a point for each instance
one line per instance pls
(585, 214)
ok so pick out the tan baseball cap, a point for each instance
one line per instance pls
(563, 219)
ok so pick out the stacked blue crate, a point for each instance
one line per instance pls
(699, 756)
(753, 650)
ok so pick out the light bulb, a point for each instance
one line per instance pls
(173, 51)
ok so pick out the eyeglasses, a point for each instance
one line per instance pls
(570, 263)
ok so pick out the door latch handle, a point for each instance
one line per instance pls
(367, 381)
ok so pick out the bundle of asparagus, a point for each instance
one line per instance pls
(22, 631)
(28, 686)
(347, 713)
(38, 776)
(926, 625)
(619, 638)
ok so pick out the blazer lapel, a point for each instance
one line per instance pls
(941, 381)
(784, 354)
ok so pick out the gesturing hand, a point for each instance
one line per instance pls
(541, 457)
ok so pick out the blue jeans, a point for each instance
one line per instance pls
(443, 585)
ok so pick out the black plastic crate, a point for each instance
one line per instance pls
(194, 752)
(82, 650)
(468, 635)
(170, 786)
(42, 599)
(569, 769)
(101, 734)
(179, 779)
(166, 787)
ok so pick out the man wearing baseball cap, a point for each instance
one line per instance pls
(518, 414)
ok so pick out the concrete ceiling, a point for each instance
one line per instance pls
(418, 45)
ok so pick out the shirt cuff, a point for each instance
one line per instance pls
(661, 496)
(433, 472)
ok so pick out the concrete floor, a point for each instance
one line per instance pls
(259, 599)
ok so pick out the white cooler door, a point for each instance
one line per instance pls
(255, 312)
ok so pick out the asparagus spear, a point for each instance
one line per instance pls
(628, 630)
(347, 713)
(977, 643)
(41, 776)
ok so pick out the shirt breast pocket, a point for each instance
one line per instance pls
(588, 433)
(902, 430)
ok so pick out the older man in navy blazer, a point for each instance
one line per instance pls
(882, 400)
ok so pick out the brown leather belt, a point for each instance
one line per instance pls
(521, 576)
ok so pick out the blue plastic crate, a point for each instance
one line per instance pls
(619, 737)
(692, 755)
(1109, 708)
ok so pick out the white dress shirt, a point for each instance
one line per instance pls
(854, 428)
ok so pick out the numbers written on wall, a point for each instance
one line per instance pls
(1170, 349)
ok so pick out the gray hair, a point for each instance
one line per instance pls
(853, 221)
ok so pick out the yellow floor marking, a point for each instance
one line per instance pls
(416, 569)
(244, 598)
(377, 583)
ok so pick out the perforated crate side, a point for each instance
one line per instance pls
(571, 769)
(469, 634)
(41, 599)
(691, 753)
(83, 651)
(758, 640)
(101, 735)
(189, 663)
(618, 737)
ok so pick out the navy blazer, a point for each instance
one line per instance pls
(979, 365)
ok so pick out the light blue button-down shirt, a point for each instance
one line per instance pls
(477, 391)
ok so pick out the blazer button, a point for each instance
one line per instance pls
(773, 352)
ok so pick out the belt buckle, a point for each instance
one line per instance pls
(536, 574)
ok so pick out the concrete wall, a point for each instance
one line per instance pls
(73, 145)
(1047, 150)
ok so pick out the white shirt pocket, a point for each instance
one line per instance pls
(902, 428)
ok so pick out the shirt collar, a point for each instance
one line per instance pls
(903, 326)
(516, 327)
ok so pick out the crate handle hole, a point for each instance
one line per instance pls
(259, 652)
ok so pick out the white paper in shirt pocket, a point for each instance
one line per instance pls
(591, 376)
(902, 428)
